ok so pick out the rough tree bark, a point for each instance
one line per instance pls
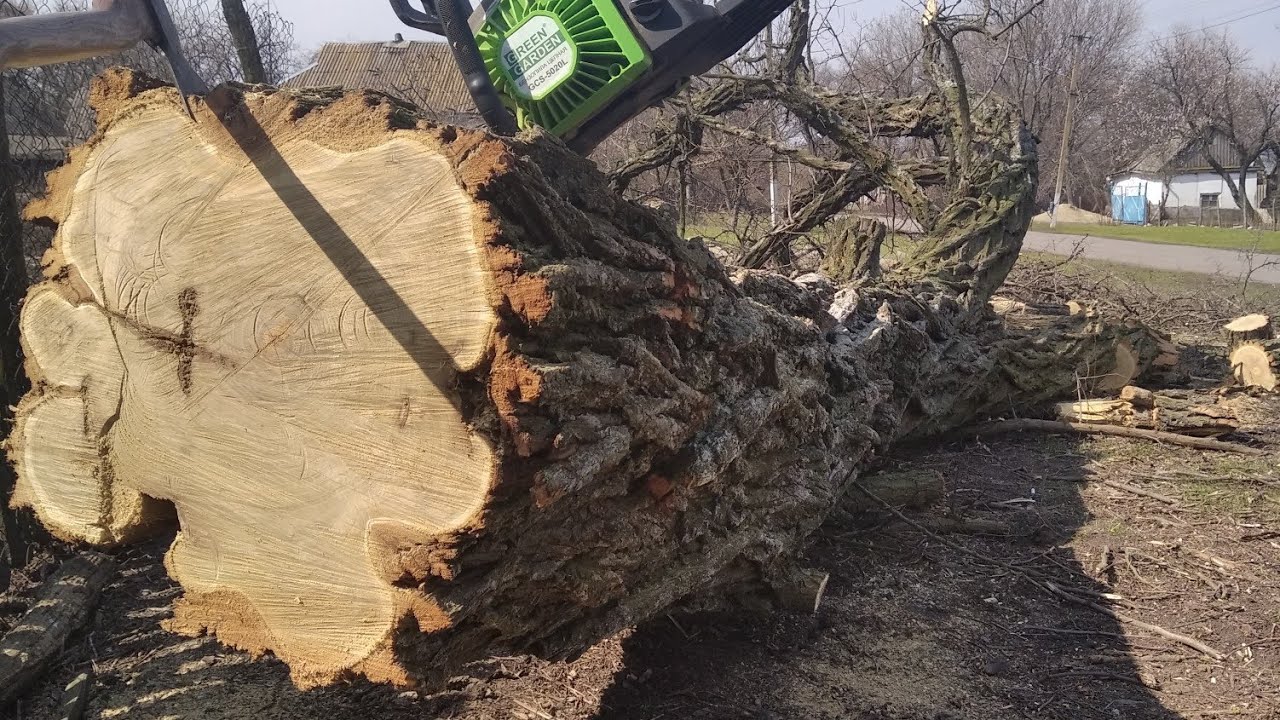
(246, 40)
(855, 253)
(419, 394)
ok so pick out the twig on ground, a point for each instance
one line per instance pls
(75, 697)
(1104, 561)
(1053, 589)
(1068, 631)
(1001, 427)
(1103, 675)
(1134, 489)
(1167, 634)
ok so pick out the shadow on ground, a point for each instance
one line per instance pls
(915, 628)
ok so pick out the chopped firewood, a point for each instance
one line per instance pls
(799, 589)
(1249, 327)
(75, 697)
(1175, 411)
(1256, 364)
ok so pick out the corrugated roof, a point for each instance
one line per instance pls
(1178, 155)
(1195, 156)
(423, 73)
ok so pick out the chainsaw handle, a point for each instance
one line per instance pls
(111, 26)
(449, 18)
(426, 19)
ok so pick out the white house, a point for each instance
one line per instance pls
(1177, 182)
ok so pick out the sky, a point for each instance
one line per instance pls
(368, 20)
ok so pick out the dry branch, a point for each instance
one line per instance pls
(1040, 581)
(1135, 490)
(1058, 426)
(66, 603)
(1162, 632)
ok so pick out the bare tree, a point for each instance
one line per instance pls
(963, 171)
(217, 47)
(240, 25)
(1218, 93)
(1028, 65)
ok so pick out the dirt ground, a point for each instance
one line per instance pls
(945, 612)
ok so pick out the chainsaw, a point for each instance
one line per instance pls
(577, 68)
(581, 68)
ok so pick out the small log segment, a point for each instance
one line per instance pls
(66, 603)
(855, 253)
(1177, 411)
(420, 395)
(1253, 351)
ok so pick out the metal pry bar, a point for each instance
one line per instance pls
(110, 26)
(166, 41)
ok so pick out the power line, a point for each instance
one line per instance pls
(1184, 33)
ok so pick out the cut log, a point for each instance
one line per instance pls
(1253, 351)
(1256, 364)
(1175, 411)
(1247, 328)
(419, 394)
(799, 589)
(855, 253)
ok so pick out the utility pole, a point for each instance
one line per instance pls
(773, 132)
(1066, 131)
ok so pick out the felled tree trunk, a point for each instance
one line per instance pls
(419, 394)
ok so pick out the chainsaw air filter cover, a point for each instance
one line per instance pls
(557, 62)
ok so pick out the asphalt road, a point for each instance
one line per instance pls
(1181, 258)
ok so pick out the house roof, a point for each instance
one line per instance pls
(1158, 156)
(1179, 154)
(424, 73)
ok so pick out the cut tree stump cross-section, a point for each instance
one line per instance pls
(1253, 351)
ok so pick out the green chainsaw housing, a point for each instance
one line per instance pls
(557, 62)
(582, 68)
